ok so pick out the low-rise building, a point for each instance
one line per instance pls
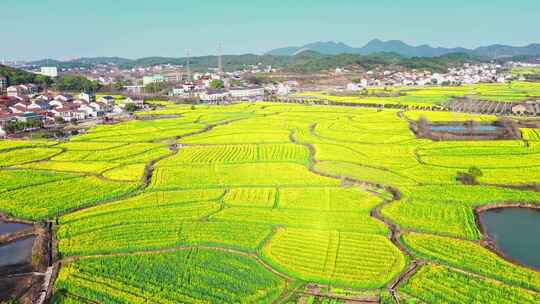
(137, 102)
(248, 93)
(68, 113)
(64, 98)
(134, 89)
(49, 71)
(213, 95)
(153, 79)
(107, 100)
(88, 97)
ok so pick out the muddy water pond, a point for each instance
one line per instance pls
(9, 227)
(16, 253)
(461, 128)
(516, 232)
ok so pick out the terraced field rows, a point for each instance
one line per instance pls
(242, 185)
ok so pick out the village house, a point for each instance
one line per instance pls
(63, 98)
(109, 100)
(68, 113)
(87, 96)
(22, 90)
(137, 103)
(88, 110)
(100, 107)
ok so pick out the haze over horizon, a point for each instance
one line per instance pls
(168, 28)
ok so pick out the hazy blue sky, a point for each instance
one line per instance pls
(33, 29)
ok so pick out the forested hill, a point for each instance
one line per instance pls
(18, 76)
(303, 62)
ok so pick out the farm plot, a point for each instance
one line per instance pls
(252, 197)
(238, 136)
(236, 175)
(162, 234)
(239, 154)
(22, 156)
(327, 199)
(124, 162)
(333, 257)
(18, 179)
(186, 276)
(39, 202)
(307, 219)
(514, 159)
(95, 167)
(471, 257)
(142, 133)
(155, 220)
(438, 284)
(17, 144)
(124, 153)
(448, 209)
(368, 173)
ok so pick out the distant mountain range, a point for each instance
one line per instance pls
(303, 61)
(321, 56)
(399, 47)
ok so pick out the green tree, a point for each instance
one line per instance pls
(120, 84)
(43, 81)
(217, 84)
(155, 88)
(131, 107)
(476, 172)
(59, 120)
(76, 83)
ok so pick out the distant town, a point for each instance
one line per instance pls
(30, 106)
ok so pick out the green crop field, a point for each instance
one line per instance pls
(274, 203)
(435, 95)
(525, 71)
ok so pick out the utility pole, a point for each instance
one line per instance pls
(188, 68)
(220, 61)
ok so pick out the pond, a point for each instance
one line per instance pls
(516, 233)
(17, 253)
(460, 128)
(10, 227)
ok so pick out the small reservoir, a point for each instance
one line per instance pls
(516, 232)
(17, 253)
